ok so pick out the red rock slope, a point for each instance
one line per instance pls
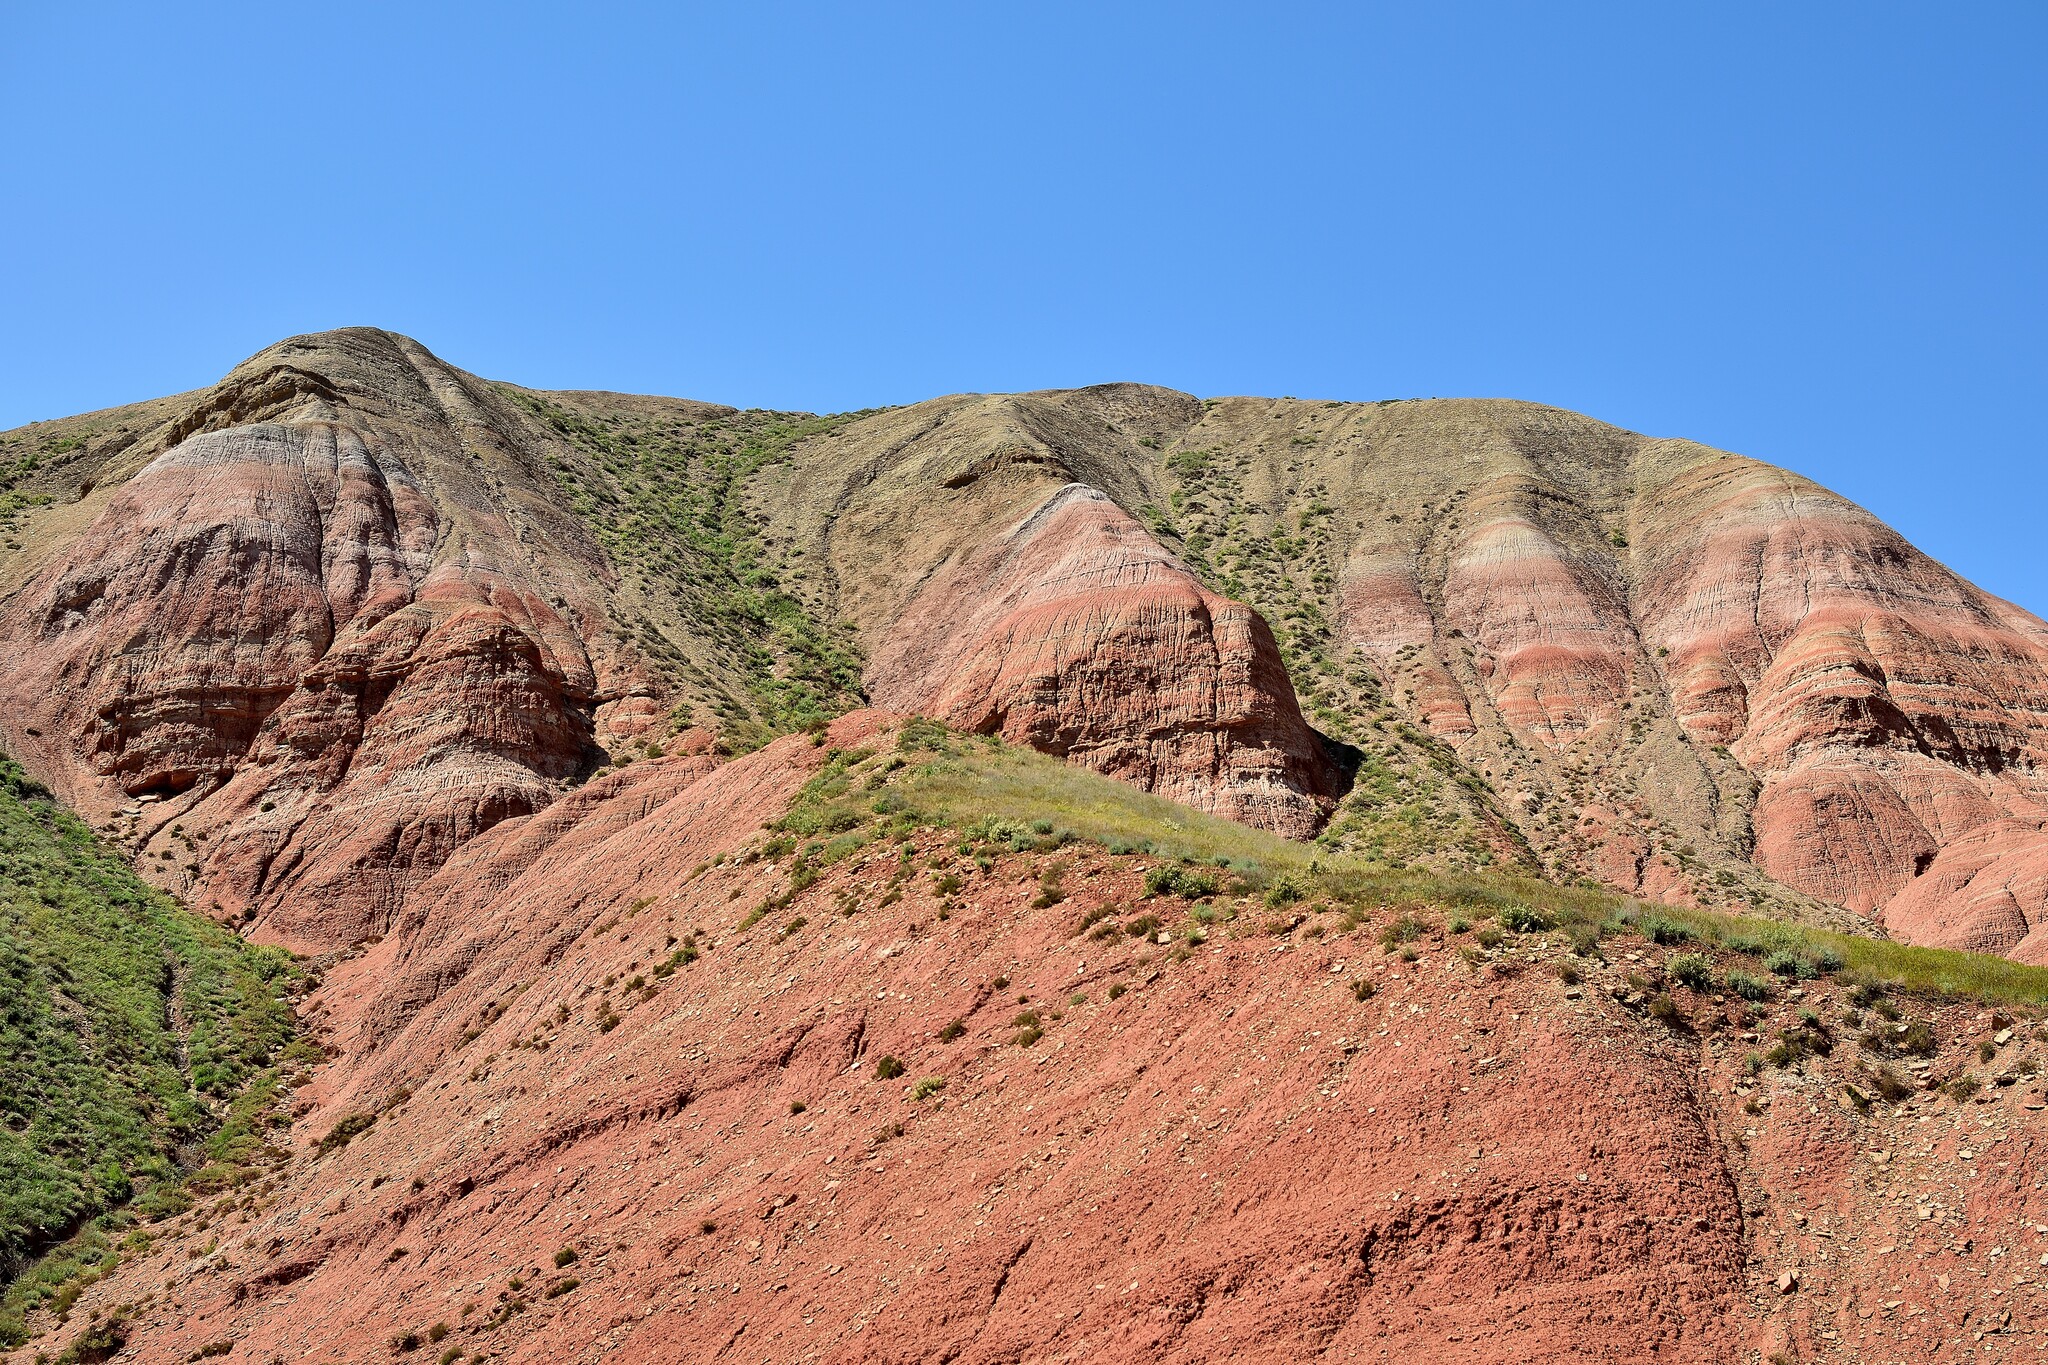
(585, 1143)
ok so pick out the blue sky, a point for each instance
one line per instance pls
(1811, 233)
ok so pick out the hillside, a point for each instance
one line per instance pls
(139, 1056)
(903, 1076)
(350, 608)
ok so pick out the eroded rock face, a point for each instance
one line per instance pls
(1076, 633)
(1893, 712)
(309, 652)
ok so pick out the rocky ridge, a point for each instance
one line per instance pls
(303, 636)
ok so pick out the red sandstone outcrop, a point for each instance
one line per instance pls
(1221, 1155)
(312, 644)
(1075, 633)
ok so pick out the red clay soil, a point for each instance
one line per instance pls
(1219, 1151)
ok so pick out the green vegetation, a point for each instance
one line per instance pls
(991, 791)
(140, 1054)
(665, 496)
(1413, 802)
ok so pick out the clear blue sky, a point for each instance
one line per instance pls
(1811, 233)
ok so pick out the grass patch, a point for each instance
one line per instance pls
(139, 1043)
(963, 782)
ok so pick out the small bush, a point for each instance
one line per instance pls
(346, 1131)
(1918, 1039)
(1747, 986)
(927, 1087)
(1406, 929)
(956, 1029)
(1285, 890)
(1029, 1028)
(1116, 991)
(795, 1107)
(1663, 932)
(1962, 1089)
(1521, 919)
(1691, 970)
(1784, 964)
(888, 1068)
(1567, 973)
(560, 1287)
(1361, 989)
(1171, 879)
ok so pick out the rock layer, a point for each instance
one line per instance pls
(1075, 633)
(310, 631)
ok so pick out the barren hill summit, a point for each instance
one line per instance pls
(351, 607)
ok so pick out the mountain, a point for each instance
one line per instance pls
(352, 607)
(1099, 874)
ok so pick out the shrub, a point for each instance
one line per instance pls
(1489, 937)
(1285, 890)
(1170, 879)
(1747, 986)
(1691, 970)
(440, 1329)
(1888, 1084)
(888, 1068)
(1567, 973)
(927, 1087)
(1361, 989)
(1116, 991)
(1663, 932)
(1986, 1051)
(1029, 1028)
(955, 1029)
(1405, 929)
(1918, 1039)
(1784, 964)
(560, 1287)
(1051, 890)
(795, 1107)
(1521, 919)
(1962, 1088)
(346, 1131)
